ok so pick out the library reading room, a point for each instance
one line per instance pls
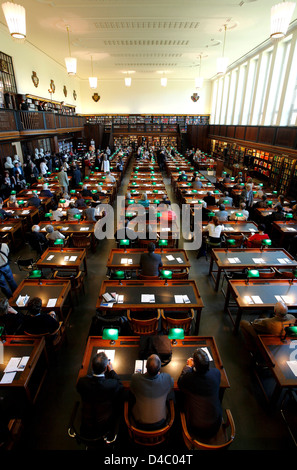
(148, 224)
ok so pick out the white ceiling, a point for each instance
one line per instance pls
(147, 37)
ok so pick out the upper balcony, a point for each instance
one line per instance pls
(15, 124)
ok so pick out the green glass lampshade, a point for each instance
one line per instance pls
(135, 176)
(101, 184)
(34, 191)
(254, 192)
(62, 201)
(224, 172)
(152, 172)
(166, 274)
(77, 216)
(136, 171)
(103, 177)
(111, 334)
(111, 167)
(39, 178)
(124, 242)
(134, 183)
(269, 203)
(241, 184)
(274, 192)
(216, 191)
(253, 273)
(92, 172)
(238, 214)
(35, 274)
(208, 184)
(189, 184)
(226, 201)
(59, 241)
(163, 243)
(20, 202)
(191, 168)
(289, 216)
(231, 241)
(194, 190)
(48, 173)
(266, 242)
(157, 201)
(80, 184)
(131, 201)
(94, 191)
(137, 168)
(155, 191)
(96, 168)
(177, 167)
(211, 214)
(72, 191)
(291, 331)
(119, 275)
(129, 214)
(154, 184)
(86, 178)
(200, 201)
(57, 169)
(133, 190)
(48, 214)
(13, 192)
(232, 178)
(176, 333)
(260, 184)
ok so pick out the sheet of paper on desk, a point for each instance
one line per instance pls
(50, 257)
(165, 229)
(84, 229)
(248, 299)
(251, 229)
(284, 260)
(51, 302)
(257, 299)
(22, 300)
(8, 378)
(179, 260)
(287, 299)
(140, 366)
(7, 228)
(291, 229)
(293, 367)
(73, 258)
(25, 212)
(232, 260)
(65, 228)
(147, 298)
(170, 257)
(66, 258)
(110, 353)
(179, 299)
(12, 365)
(124, 261)
(258, 260)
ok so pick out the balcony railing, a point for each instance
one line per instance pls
(20, 121)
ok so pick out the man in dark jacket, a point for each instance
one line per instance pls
(101, 394)
(150, 262)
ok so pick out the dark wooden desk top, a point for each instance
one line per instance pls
(84, 226)
(117, 254)
(58, 257)
(46, 289)
(124, 363)
(267, 290)
(238, 227)
(250, 257)
(278, 354)
(164, 292)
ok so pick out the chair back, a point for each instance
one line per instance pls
(144, 326)
(222, 440)
(81, 241)
(148, 278)
(149, 438)
(184, 322)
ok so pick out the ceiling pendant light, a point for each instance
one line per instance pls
(281, 15)
(128, 81)
(222, 62)
(163, 81)
(15, 16)
(92, 79)
(70, 62)
(199, 80)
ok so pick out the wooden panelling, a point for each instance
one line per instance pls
(286, 137)
(251, 133)
(230, 132)
(240, 132)
(266, 135)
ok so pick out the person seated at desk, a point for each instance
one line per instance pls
(226, 199)
(151, 391)
(34, 201)
(277, 215)
(12, 202)
(10, 319)
(210, 199)
(222, 214)
(72, 211)
(262, 204)
(125, 232)
(53, 234)
(242, 210)
(101, 393)
(57, 213)
(274, 325)
(261, 235)
(200, 386)
(38, 240)
(86, 192)
(37, 322)
(89, 212)
(110, 178)
(144, 201)
(214, 228)
(227, 179)
(80, 202)
(150, 262)
(3, 213)
(165, 200)
(260, 193)
(197, 183)
(45, 192)
(182, 176)
(195, 174)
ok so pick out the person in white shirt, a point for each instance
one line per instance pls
(53, 234)
(43, 168)
(110, 178)
(214, 228)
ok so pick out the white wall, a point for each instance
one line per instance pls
(145, 97)
(26, 59)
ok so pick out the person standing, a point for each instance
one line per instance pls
(7, 282)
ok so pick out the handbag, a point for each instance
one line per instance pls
(159, 345)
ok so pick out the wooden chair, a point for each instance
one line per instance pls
(65, 242)
(221, 441)
(149, 438)
(239, 240)
(76, 279)
(177, 320)
(147, 278)
(267, 273)
(144, 327)
(15, 431)
(81, 241)
(55, 340)
(181, 274)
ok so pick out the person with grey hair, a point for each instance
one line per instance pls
(10, 319)
(53, 234)
(200, 387)
(38, 240)
(150, 391)
(274, 325)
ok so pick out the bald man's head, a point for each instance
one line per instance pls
(280, 309)
(153, 365)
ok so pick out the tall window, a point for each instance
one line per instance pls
(288, 116)
(261, 86)
(250, 85)
(239, 94)
(225, 99)
(231, 96)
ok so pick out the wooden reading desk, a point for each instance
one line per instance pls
(58, 258)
